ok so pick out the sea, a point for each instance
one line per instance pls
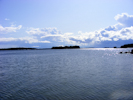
(66, 74)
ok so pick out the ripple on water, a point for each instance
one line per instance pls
(66, 75)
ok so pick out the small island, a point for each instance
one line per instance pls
(127, 46)
(18, 48)
(66, 47)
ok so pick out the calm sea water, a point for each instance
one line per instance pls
(77, 74)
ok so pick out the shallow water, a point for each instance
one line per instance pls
(77, 74)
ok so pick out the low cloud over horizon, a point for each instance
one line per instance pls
(110, 36)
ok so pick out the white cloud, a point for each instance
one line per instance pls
(68, 33)
(49, 34)
(43, 31)
(125, 19)
(7, 19)
(8, 39)
(123, 30)
(115, 39)
(55, 35)
(35, 46)
(29, 40)
(105, 39)
(111, 33)
(126, 33)
(99, 36)
(32, 40)
(12, 28)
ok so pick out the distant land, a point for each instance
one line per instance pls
(127, 46)
(66, 47)
(19, 48)
(23, 48)
(61, 47)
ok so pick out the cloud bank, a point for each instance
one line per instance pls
(123, 30)
(120, 33)
(12, 28)
(29, 40)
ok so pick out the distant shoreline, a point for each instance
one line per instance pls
(23, 48)
(63, 47)
(56, 48)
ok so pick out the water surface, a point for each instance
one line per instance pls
(77, 74)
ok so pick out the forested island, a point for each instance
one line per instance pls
(127, 46)
(66, 47)
(19, 48)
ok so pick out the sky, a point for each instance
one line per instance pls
(48, 23)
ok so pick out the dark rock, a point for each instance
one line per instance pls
(132, 51)
(120, 52)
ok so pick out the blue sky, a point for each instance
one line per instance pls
(47, 23)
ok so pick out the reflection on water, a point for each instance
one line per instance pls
(80, 74)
